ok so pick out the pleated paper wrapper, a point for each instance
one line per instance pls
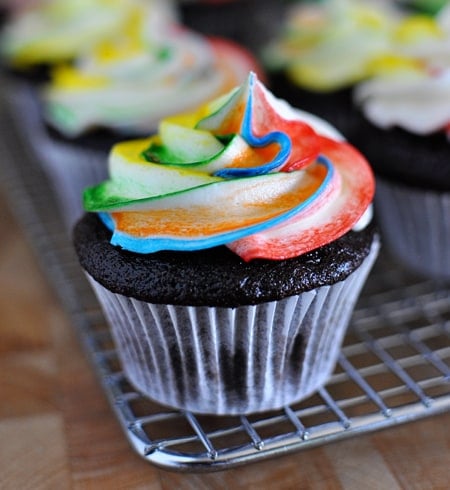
(240, 360)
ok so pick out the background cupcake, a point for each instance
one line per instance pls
(405, 135)
(150, 67)
(37, 37)
(229, 251)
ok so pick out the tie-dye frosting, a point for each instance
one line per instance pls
(52, 31)
(150, 70)
(329, 45)
(245, 170)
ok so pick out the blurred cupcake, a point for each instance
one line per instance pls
(252, 23)
(37, 37)
(228, 252)
(149, 69)
(405, 135)
(325, 48)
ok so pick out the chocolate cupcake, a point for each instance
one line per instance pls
(404, 132)
(228, 252)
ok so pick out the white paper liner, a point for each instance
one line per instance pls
(69, 168)
(415, 227)
(233, 361)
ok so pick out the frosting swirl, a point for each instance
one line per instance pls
(148, 71)
(245, 170)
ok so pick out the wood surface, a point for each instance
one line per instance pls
(57, 430)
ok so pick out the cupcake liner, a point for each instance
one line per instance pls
(68, 167)
(415, 226)
(233, 360)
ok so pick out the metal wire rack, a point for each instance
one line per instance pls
(394, 366)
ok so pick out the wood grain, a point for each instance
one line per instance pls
(57, 430)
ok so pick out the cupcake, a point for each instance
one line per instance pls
(228, 251)
(252, 23)
(324, 49)
(121, 88)
(404, 132)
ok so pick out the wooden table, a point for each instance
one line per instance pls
(57, 430)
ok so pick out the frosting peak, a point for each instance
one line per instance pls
(236, 172)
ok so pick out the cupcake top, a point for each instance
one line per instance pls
(150, 69)
(330, 45)
(245, 170)
(52, 31)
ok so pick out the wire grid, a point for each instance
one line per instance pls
(393, 368)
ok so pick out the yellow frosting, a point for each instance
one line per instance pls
(69, 78)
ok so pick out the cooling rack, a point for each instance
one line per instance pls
(394, 366)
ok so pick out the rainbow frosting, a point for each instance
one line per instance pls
(245, 170)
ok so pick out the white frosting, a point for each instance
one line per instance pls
(365, 219)
(419, 104)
